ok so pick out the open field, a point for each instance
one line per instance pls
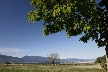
(51, 68)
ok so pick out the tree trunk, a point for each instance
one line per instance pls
(106, 43)
(107, 55)
(53, 62)
(106, 49)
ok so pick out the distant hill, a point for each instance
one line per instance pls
(35, 58)
(76, 60)
(38, 59)
(8, 57)
(4, 58)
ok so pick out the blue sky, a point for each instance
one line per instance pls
(19, 38)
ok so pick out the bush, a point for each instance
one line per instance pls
(104, 66)
(102, 61)
(7, 63)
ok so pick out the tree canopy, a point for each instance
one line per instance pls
(53, 57)
(101, 59)
(73, 16)
(7, 63)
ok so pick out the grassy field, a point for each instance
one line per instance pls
(51, 68)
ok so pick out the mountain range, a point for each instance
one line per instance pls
(39, 59)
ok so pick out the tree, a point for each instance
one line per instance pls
(76, 17)
(102, 61)
(7, 63)
(98, 60)
(53, 57)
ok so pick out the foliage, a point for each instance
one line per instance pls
(7, 63)
(73, 16)
(98, 60)
(104, 66)
(102, 61)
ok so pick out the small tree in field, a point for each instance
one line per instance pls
(7, 63)
(76, 17)
(53, 57)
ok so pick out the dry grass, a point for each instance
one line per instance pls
(50, 68)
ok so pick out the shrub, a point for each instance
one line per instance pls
(7, 63)
(104, 66)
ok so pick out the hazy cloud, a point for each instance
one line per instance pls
(10, 50)
(15, 52)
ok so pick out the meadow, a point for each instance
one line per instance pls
(50, 68)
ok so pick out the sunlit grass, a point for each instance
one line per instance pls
(47, 68)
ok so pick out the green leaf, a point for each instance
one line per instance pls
(73, 16)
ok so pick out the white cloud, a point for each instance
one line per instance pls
(15, 52)
(10, 50)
